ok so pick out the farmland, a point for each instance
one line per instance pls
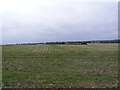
(60, 66)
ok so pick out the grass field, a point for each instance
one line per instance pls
(59, 66)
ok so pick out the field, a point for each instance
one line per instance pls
(60, 66)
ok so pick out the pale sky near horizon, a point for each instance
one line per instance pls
(26, 21)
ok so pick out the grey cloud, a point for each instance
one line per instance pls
(60, 22)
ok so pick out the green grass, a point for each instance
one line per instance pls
(60, 66)
(0, 67)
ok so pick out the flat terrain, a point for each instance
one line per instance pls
(70, 66)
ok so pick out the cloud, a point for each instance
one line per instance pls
(40, 21)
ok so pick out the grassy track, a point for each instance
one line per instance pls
(44, 66)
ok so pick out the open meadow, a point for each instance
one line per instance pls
(60, 66)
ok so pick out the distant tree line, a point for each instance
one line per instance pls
(68, 42)
(72, 42)
(84, 42)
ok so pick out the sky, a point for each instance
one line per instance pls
(27, 21)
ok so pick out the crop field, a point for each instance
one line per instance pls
(60, 66)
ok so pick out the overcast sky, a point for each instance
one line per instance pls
(58, 20)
